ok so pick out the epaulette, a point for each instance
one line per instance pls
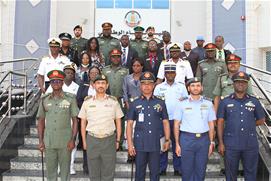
(224, 74)
(255, 96)
(133, 99)
(114, 38)
(69, 94)
(108, 66)
(207, 98)
(201, 61)
(46, 56)
(87, 97)
(86, 84)
(160, 97)
(183, 98)
(112, 97)
(45, 95)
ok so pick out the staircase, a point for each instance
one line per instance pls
(28, 167)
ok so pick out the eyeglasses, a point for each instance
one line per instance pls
(56, 81)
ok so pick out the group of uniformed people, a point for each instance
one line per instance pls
(167, 105)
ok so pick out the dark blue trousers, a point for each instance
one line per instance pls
(249, 159)
(152, 159)
(194, 156)
(164, 155)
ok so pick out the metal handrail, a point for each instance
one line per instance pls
(259, 85)
(256, 69)
(10, 73)
(19, 60)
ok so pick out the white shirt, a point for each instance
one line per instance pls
(72, 88)
(126, 52)
(172, 95)
(48, 63)
(222, 55)
(91, 91)
(183, 69)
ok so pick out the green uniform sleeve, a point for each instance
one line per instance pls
(217, 89)
(41, 111)
(74, 107)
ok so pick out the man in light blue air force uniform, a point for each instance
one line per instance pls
(172, 92)
(194, 132)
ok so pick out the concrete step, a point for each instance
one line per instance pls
(32, 151)
(34, 163)
(34, 175)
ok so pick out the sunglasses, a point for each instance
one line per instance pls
(56, 81)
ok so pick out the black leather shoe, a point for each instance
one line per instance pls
(85, 171)
(177, 173)
(241, 173)
(222, 172)
(163, 173)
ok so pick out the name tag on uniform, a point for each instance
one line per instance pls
(141, 117)
(230, 105)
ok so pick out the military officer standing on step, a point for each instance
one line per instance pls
(101, 118)
(66, 48)
(172, 92)
(78, 43)
(238, 115)
(223, 88)
(55, 60)
(194, 119)
(224, 84)
(148, 113)
(57, 136)
(140, 45)
(107, 42)
(209, 70)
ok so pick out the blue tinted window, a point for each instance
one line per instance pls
(160, 4)
(123, 3)
(104, 3)
(143, 4)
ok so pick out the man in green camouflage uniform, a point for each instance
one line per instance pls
(57, 135)
(209, 70)
(140, 45)
(107, 42)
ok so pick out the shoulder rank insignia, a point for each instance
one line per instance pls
(88, 97)
(132, 99)
(112, 97)
(207, 98)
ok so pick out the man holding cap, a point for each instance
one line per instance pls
(209, 70)
(107, 42)
(101, 119)
(78, 43)
(140, 45)
(238, 115)
(57, 136)
(66, 48)
(51, 62)
(194, 119)
(172, 92)
(149, 114)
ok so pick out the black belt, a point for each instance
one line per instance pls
(197, 135)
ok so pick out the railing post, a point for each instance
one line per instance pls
(9, 95)
(25, 94)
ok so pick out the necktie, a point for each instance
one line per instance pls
(167, 53)
(123, 59)
(219, 54)
(85, 77)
